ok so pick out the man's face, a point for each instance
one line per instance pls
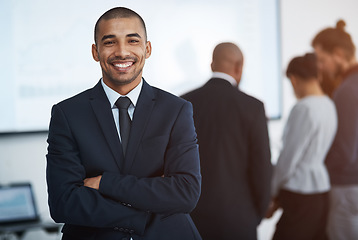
(329, 64)
(121, 50)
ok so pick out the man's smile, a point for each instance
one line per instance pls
(123, 66)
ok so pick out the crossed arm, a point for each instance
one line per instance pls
(98, 201)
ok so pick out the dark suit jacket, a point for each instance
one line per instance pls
(133, 199)
(235, 161)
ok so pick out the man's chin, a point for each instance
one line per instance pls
(330, 82)
(328, 77)
(123, 82)
(122, 79)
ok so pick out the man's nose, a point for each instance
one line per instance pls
(121, 50)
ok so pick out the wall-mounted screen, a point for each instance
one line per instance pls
(46, 50)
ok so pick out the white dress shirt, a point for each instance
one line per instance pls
(308, 135)
(113, 97)
(225, 76)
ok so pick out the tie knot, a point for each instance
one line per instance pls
(123, 102)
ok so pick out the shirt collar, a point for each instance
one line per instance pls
(112, 95)
(225, 76)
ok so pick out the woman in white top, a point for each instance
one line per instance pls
(300, 181)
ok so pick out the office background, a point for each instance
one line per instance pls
(22, 156)
(53, 62)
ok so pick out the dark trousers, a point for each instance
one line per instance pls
(304, 216)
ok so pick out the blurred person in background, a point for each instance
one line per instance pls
(234, 152)
(300, 182)
(336, 60)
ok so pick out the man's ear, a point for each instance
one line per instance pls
(238, 68)
(238, 71)
(148, 49)
(95, 53)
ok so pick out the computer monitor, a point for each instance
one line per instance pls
(17, 204)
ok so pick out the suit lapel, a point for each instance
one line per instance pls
(141, 115)
(103, 112)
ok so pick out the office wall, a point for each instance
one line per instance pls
(22, 157)
(34, 82)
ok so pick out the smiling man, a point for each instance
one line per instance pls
(122, 158)
(121, 48)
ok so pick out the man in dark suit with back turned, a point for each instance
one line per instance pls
(123, 172)
(234, 152)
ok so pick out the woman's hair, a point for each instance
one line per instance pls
(331, 38)
(304, 67)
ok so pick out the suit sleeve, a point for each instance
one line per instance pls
(69, 201)
(260, 167)
(178, 191)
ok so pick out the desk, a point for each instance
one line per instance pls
(6, 231)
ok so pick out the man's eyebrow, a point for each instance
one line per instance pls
(134, 35)
(107, 36)
(113, 36)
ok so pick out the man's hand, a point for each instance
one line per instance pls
(93, 182)
(274, 205)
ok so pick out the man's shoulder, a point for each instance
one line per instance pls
(347, 91)
(214, 86)
(249, 99)
(350, 84)
(192, 93)
(227, 92)
(168, 104)
(163, 94)
(79, 97)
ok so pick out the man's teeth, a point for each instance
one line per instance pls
(123, 65)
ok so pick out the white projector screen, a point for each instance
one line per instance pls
(46, 50)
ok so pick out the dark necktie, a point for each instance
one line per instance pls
(124, 121)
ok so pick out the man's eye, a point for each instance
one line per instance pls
(108, 43)
(133, 41)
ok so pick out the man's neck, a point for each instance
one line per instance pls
(123, 89)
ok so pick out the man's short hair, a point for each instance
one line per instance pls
(331, 38)
(119, 12)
